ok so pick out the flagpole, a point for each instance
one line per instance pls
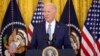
(94, 32)
(69, 17)
(12, 17)
(12, 13)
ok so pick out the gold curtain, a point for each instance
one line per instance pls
(27, 8)
(3, 7)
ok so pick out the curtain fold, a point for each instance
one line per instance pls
(27, 8)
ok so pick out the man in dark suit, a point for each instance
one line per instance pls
(50, 32)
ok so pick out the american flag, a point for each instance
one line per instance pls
(37, 18)
(90, 45)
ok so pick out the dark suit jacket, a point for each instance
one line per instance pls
(39, 37)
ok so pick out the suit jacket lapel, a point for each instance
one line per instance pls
(43, 31)
(44, 28)
(56, 29)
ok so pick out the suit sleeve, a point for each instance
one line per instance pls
(67, 43)
(34, 39)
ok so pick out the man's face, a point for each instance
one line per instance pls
(49, 12)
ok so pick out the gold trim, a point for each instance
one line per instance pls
(51, 48)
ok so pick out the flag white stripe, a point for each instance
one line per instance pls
(31, 27)
(37, 18)
(90, 38)
(29, 37)
(82, 53)
(97, 50)
(88, 49)
(29, 34)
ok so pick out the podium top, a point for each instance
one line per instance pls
(61, 52)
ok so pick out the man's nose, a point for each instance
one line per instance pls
(46, 14)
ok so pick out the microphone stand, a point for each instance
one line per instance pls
(50, 42)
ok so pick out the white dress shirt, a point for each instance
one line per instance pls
(53, 23)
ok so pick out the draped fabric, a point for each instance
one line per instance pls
(90, 44)
(69, 18)
(13, 24)
(27, 8)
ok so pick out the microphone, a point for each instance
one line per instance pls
(50, 42)
(46, 37)
(53, 40)
(54, 36)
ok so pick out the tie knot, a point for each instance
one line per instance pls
(49, 25)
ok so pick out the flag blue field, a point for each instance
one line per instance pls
(12, 20)
(69, 18)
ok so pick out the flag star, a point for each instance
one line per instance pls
(98, 10)
(93, 32)
(14, 23)
(35, 13)
(95, 37)
(36, 21)
(33, 21)
(91, 23)
(37, 17)
(18, 22)
(99, 32)
(89, 10)
(95, 15)
(39, 13)
(93, 5)
(91, 19)
(90, 28)
(89, 14)
(93, 28)
(34, 17)
(97, 24)
(97, 19)
(92, 14)
(95, 10)
(87, 23)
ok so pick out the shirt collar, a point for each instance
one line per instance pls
(53, 22)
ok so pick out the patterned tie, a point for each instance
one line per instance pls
(49, 31)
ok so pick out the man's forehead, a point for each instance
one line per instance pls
(49, 5)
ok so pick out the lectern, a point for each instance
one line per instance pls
(61, 52)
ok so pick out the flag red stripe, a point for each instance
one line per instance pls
(98, 45)
(30, 32)
(84, 50)
(88, 42)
